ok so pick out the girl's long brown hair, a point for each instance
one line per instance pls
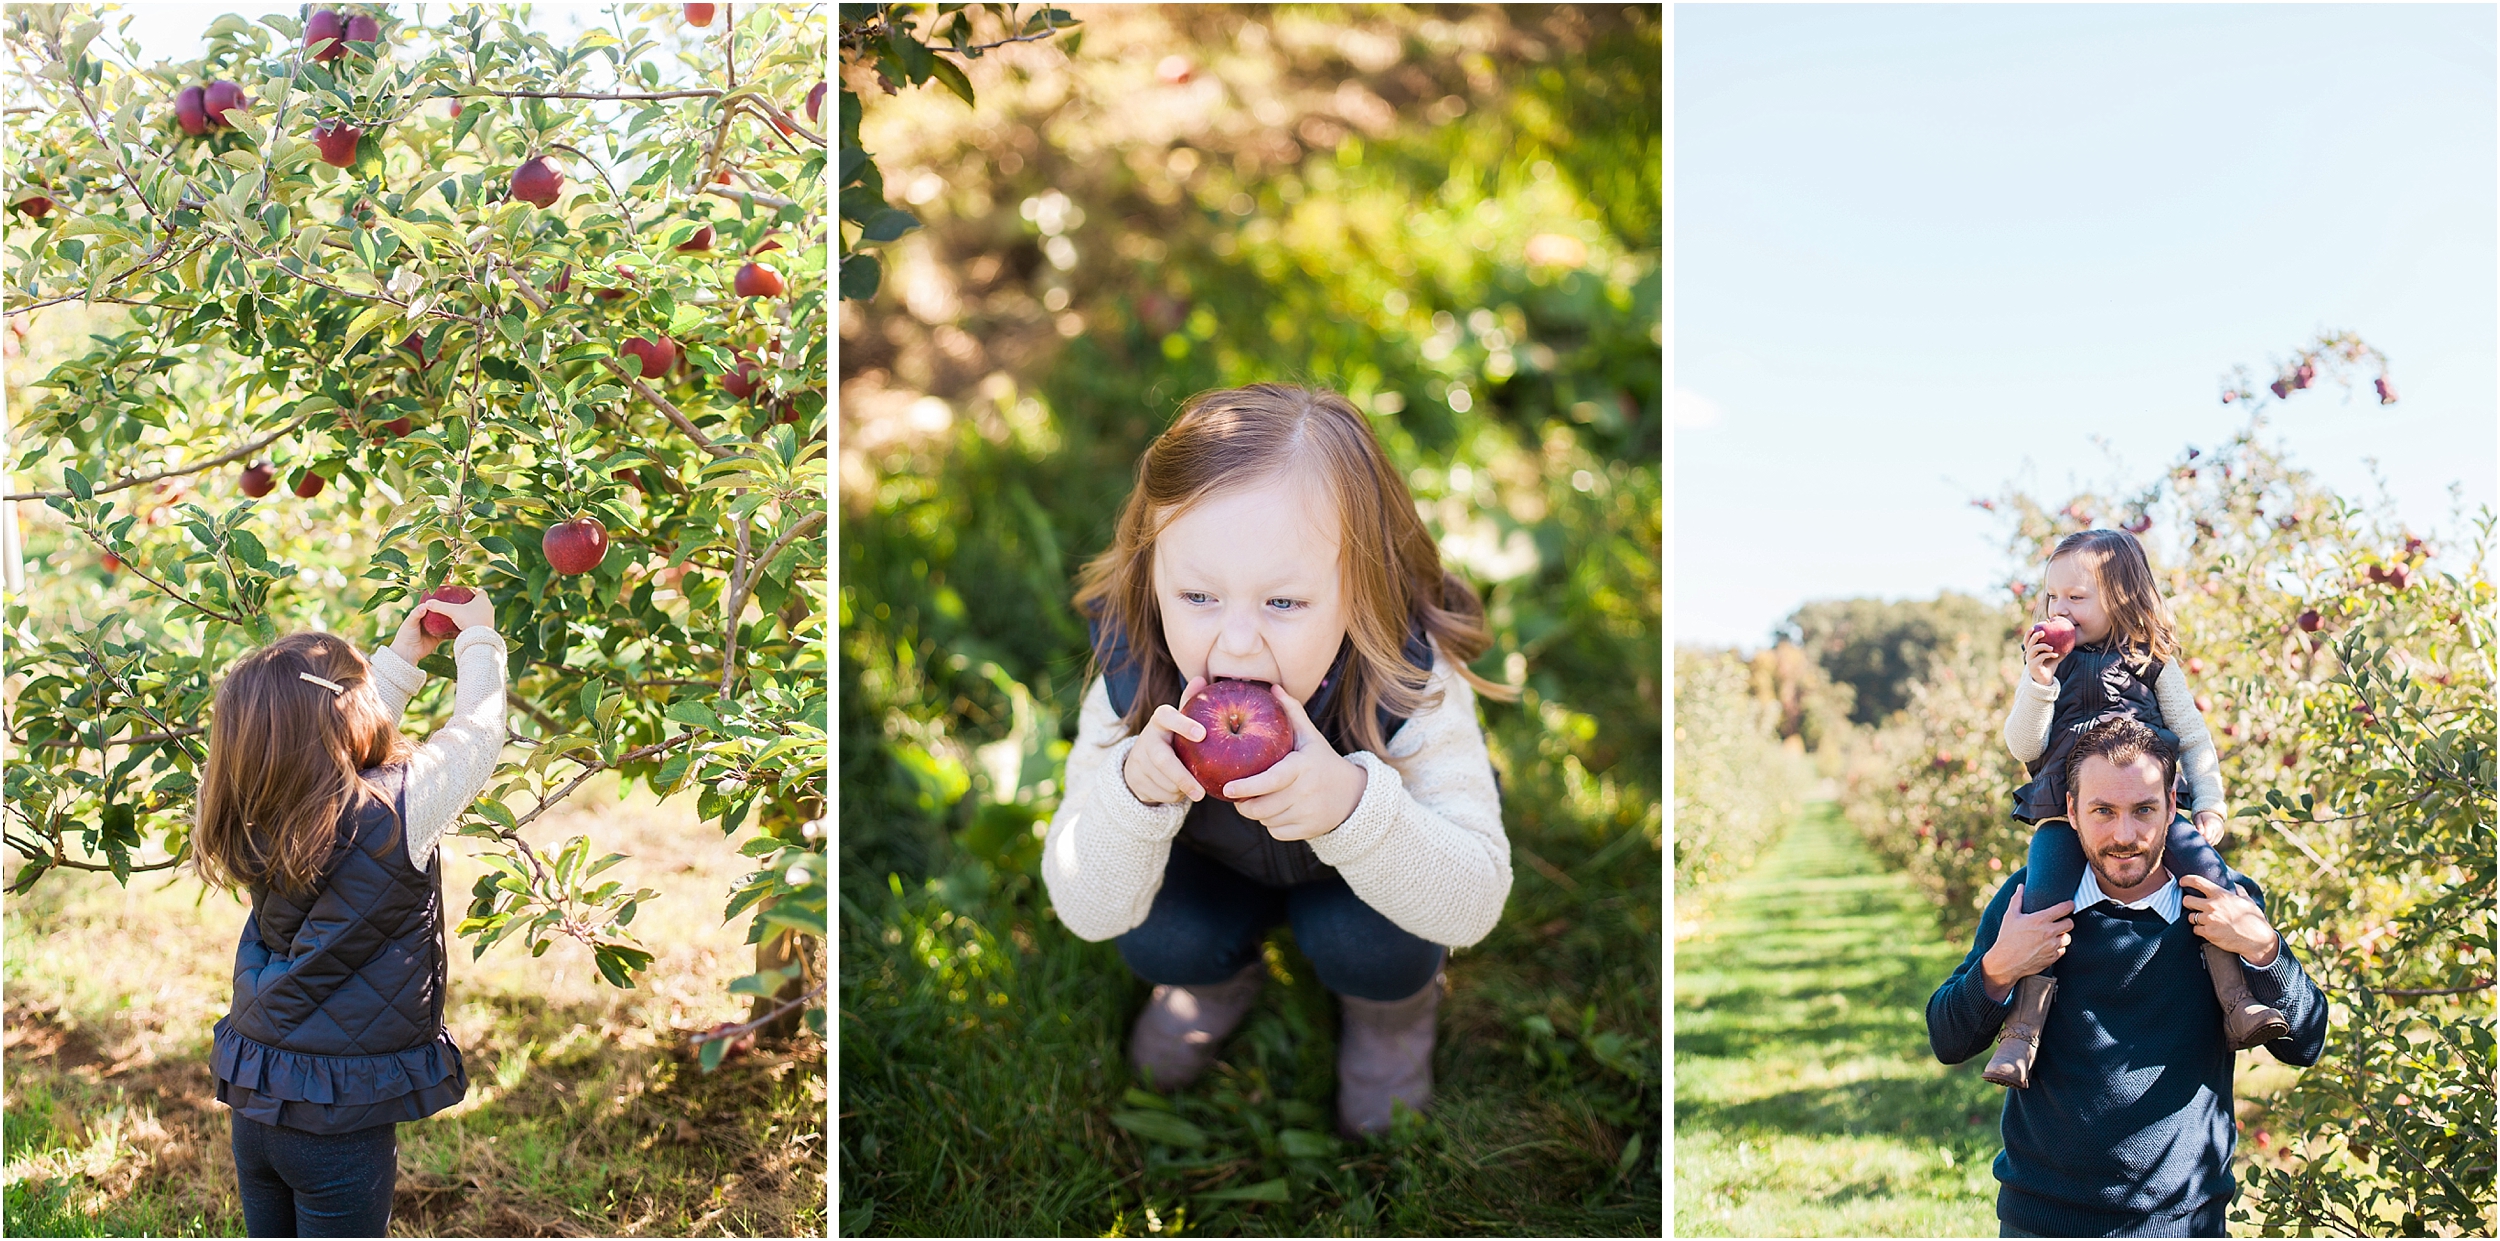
(1392, 570)
(2137, 616)
(283, 758)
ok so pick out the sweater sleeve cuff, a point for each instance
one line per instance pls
(1119, 805)
(1972, 1007)
(476, 636)
(1364, 829)
(2272, 982)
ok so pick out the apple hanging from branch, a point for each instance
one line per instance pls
(221, 98)
(259, 480)
(309, 484)
(337, 140)
(655, 356)
(326, 24)
(576, 546)
(537, 182)
(758, 280)
(191, 110)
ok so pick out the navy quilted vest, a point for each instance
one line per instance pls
(337, 1022)
(2092, 682)
(1214, 826)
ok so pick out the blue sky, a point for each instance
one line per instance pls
(1922, 251)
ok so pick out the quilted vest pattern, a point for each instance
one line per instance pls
(337, 1023)
(2093, 682)
(1214, 826)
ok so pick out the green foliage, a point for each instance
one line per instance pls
(1736, 786)
(266, 305)
(991, 440)
(1881, 648)
(2360, 762)
(884, 35)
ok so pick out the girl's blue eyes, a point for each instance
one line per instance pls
(1199, 596)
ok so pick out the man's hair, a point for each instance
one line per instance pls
(2121, 739)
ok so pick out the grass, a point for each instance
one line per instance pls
(986, 1090)
(585, 1116)
(1807, 1102)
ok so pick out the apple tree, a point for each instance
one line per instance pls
(386, 306)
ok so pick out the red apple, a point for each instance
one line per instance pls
(35, 206)
(112, 563)
(1247, 733)
(222, 97)
(2400, 576)
(575, 546)
(721, 178)
(2304, 376)
(2204, 705)
(702, 240)
(2196, 667)
(741, 381)
(399, 427)
(191, 110)
(259, 480)
(815, 102)
(337, 140)
(438, 625)
(2140, 523)
(700, 14)
(2386, 391)
(2311, 622)
(414, 343)
(758, 280)
(563, 283)
(310, 485)
(455, 109)
(362, 28)
(537, 182)
(629, 476)
(655, 356)
(327, 24)
(2281, 388)
(2058, 632)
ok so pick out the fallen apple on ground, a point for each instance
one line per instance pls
(1247, 733)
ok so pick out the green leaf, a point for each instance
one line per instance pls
(712, 1052)
(672, 773)
(887, 225)
(1304, 1144)
(77, 483)
(693, 713)
(1163, 1127)
(859, 277)
(944, 70)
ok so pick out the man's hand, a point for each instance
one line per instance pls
(2026, 944)
(1310, 792)
(2229, 921)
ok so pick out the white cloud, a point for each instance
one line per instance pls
(1695, 412)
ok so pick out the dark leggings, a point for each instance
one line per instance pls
(2056, 864)
(1208, 921)
(298, 1184)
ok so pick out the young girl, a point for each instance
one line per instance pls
(2123, 662)
(313, 801)
(1269, 539)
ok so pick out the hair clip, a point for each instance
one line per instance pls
(330, 685)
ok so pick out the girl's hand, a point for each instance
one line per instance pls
(1309, 792)
(413, 643)
(2043, 660)
(2209, 823)
(1154, 773)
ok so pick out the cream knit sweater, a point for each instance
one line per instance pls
(2027, 732)
(1424, 846)
(445, 773)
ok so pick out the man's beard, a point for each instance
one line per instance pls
(2115, 869)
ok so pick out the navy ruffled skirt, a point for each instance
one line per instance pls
(335, 1094)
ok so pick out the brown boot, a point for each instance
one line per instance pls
(2245, 1022)
(1385, 1055)
(2019, 1043)
(1174, 1039)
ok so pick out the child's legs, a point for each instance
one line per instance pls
(2055, 867)
(1354, 949)
(298, 1184)
(2186, 853)
(1205, 925)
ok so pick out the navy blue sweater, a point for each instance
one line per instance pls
(2126, 1129)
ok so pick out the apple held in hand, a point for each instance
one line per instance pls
(437, 625)
(1247, 733)
(575, 546)
(2058, 632)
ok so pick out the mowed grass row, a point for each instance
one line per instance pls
(585, 1116)
(986, 1090)
(1806, 1100)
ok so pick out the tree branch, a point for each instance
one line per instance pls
(141, 739)
(195, 468)
(760, 1022)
